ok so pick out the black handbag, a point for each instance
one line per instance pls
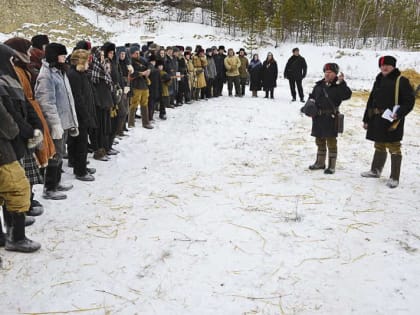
(310, 109)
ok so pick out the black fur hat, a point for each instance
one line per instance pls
(107, 47)
(53, 50)
(387, 60)
(40, 40)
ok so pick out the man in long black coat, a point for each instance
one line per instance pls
(327, 94)
(295, 72)
(219, 60)
(389, 89)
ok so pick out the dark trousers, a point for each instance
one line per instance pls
(182, 87)
(243, 85)
(210, 88)
(233, 81)
(77, 148)
(271, 91)
(164, 102)
(218, 85)
(293, 83)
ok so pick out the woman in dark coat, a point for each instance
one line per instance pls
(255, 72)
(102, 87)
(85, 110)
(269, 75)
(327, 94)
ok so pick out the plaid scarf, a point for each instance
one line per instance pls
(97, 71)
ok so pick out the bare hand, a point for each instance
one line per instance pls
(365, 126)
(341, 76)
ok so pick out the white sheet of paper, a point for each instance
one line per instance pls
(388, 113)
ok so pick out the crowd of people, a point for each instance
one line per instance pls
(56, 105)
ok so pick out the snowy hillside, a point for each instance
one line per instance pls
(215, 211)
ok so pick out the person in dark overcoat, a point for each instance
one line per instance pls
(269, 75)
(82, 90)
(219, 56)
(390, 89)
(295, 72)
(327, 94)
(255, 72)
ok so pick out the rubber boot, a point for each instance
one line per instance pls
(132, 117)
(320, 161)
(378, 162)
(394, 179)
(145, 117)
(51, 181)
(331, 165)
(16, 239)
(61, 186)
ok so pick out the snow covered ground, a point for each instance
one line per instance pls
(215, 212)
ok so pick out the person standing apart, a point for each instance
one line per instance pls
(295, 72)
(391, 92)
(327, 94)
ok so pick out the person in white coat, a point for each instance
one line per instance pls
(53, 92)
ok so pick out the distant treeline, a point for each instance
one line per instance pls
(381, 24)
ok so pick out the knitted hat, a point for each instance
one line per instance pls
(387, 60)
(40, 40)
(21, 46)
(53, 50)
(331, 67)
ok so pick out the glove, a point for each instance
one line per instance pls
(36, 140)
(74, 132)
(56, 132)
(126, 89)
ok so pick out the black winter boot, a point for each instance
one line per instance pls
(378, 162)
(16, 239)
(331, 165)
(394, 179)
(36, 207)
(320, 161)
(51, 181)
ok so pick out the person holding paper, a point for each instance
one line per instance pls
(390, 100)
